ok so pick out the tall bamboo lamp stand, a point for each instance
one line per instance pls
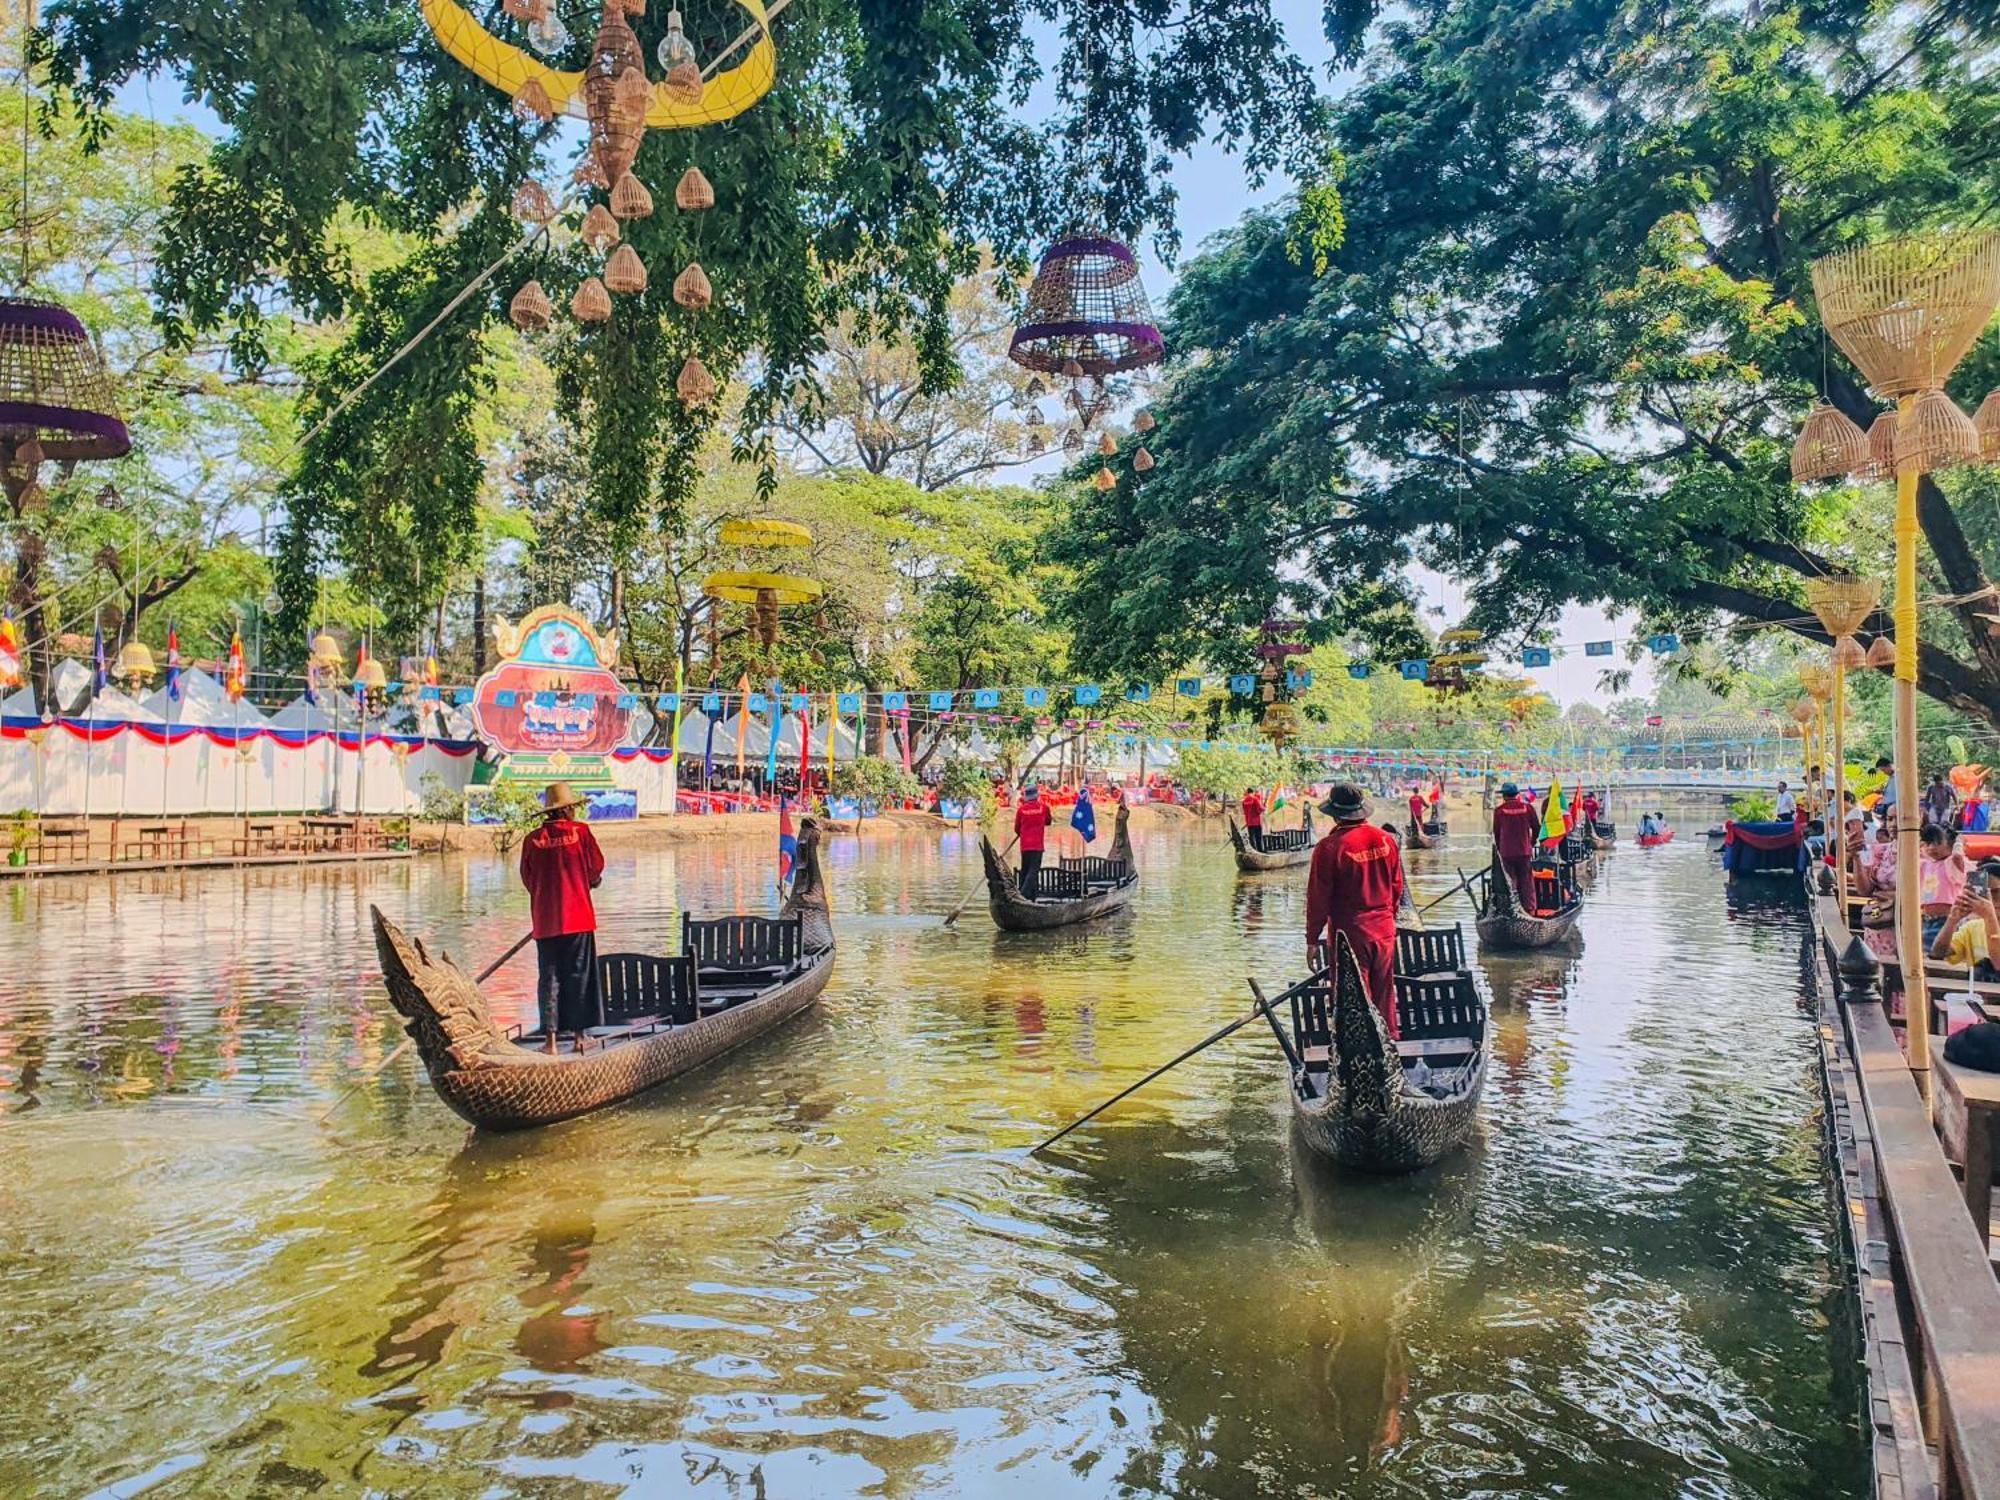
(1842, 602)
(1905, 311)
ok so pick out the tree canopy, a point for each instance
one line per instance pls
(1564, 347)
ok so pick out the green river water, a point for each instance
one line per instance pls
(825, 1268)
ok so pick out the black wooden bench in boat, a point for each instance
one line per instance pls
(1097, 872)
(1059, 884)
(1284, 841)
(1430, 950)
(1437, 1015)
(642, 992)
(739, 956)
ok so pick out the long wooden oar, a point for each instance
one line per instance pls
(1262, 1007)
(953, 915)
(1464, 884)
(408, 1042)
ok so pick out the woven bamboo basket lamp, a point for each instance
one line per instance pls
(1986, 422)
(530, 309)
(1905, 311)
(1829, 446)
(625, 273)
(1087, 319)
(1843, 602)
(694, 385)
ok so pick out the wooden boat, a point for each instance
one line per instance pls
(1436, 826)
(1074, 891)
(1603, 835)
(1502, 924)
(1654, 840)
(1281, 851)
(736, 978)
(1375, 1104)
(1420, 836)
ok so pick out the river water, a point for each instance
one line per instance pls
(825, 1268)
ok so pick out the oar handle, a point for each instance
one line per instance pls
(953, 914)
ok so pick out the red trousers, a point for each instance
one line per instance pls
(1375, 952)
(1521, 872)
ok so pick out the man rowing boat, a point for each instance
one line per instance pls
(560, 865)
(1516, 826)
(1355, 888)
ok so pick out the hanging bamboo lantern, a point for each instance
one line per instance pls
(1107, 445)
(1986, 421)
(1881, 449)
(371, 676)
(1934, 434)
(592, 303)
(533, 203)
(1906, 310)
(616, 130)
(135, 663)
(1843, 601)
(691, 288)
(532, 102)
(530, 11)
(693, 193)
(1144, 422)
(1829, 446)
(1817, 679)
(1848, 654)
(625, 273)
(1073, 440)
(631, 93)
(694, 385)
(1882, 652)
(630, 200)
(589, 175)
(1105, 479)
(1142, 462)
(530, 310)
(600, 231)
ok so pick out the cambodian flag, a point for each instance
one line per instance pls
(1084, 818)
(103, 667)
(788, 843)
(173, 664)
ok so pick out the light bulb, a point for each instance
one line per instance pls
(674, 50)
(548, 36)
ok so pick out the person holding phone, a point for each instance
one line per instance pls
(1970, 936)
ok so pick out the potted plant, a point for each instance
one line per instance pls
(20, 833)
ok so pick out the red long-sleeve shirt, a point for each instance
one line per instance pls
(1515, 825)
(1356, 883)
(1253, 809)
(1031, 824)
(560, 862)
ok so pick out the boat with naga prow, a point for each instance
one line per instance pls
(1372, 1102)
(1074, 891)
(1282, 849)
(1502, 924)
(735, 978)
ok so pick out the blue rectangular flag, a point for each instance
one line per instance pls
(850, 703)
(895, 703)
(670, 703)
(986, 698)
(1664, 644)
(1296, 680)
(1035, 697)
(1357, 669)
(1139, 692)
(1537, 656)
(1417, 671)
(711, 704)
(1084, 818)
(1243, 684)
(1188, 687)
(941, 703)
(1087, 693)
(1597, 648)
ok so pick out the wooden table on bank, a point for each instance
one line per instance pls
(323, 834)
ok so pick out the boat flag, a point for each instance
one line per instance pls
(1084, 818)
(1555, 815)
(173, 663)
(10, 651)
(788, 842)
(103, 668)
(431, 669)
(360, 661)
(237, 678)
(742, 716)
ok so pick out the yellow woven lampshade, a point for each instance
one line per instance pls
(693, 193)
(135, 661)
(1142, 462)
(533, 203)
(751, 587)
(694, 385)
(372, 676)
(1842, 601)
(692, 289)
(1817, 679)
(1803, 710)
(1986, 421)
(625, 273)
(1881, 449)
(530, 309)
(1905, 310)
(1848, 654)
(1934, 434)
(1107, 445)
(532, 102)
(599, 229)
(592, 303)
(1829, 446)
(1882, 652)
(630, 200)
(1104, 479)
(763, 532)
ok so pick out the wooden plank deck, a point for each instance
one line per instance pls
(200, 862)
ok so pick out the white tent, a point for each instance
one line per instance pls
(756, 732)
(788, 741)
(115, 704)
(302, 713)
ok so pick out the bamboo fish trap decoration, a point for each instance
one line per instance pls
(1843, 602)
(1087, 320)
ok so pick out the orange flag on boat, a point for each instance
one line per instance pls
(237, 678)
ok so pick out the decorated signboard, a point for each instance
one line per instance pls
(553, 706)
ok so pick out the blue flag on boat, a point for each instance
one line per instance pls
(788, 843)
(103, 670)
(1084, 818)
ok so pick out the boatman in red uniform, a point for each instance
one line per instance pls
(1356, 888)
(560, 865)
(1253, 817)
(1031, 827)
(1419, 810)
(1516, 825)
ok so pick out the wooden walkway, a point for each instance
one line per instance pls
(200, 862)
(1930, 1302)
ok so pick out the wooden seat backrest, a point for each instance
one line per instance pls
(1430, 950)
(1438, 1005)
(1312, 1017)
(1060, 884)
(744, 943)
(632, 985)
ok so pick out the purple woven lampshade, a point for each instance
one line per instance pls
(1087, 309)
(52, 387)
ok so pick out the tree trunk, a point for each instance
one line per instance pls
(479, 626)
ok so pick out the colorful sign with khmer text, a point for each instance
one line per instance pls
(554, 705)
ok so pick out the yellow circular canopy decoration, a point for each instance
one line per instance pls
(509, 68)
(754, 587)
(765, 533)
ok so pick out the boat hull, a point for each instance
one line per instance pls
(1516, 931)
(1257, 861)
(1014, 912)
(1654, 840)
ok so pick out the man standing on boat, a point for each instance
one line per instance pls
(1253, 818)
(1356, 887)
(1031, 828)
(1420, 812)
(560, 865)
(1516, 826)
